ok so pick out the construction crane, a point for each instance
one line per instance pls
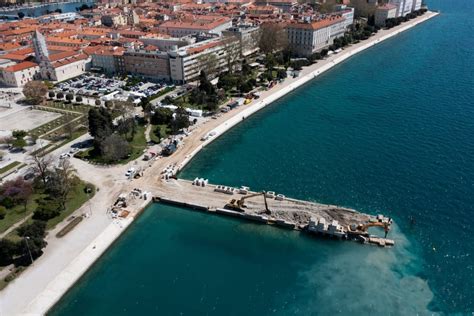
(365, 227)
(238, 204)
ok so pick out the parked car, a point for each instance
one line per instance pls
(129, 172)
(29, 176)
(65, 156)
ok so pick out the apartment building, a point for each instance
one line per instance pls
(111, 20)
(347, 13)
(211, 55)
(404, 7)
(284, 5)
(387, 11)
(65, 17)
(262, 10)
(248, 36)
(417, 5)
(305, 39)
(166, 43)
(106, 59)
(195, 25)
(148, 63)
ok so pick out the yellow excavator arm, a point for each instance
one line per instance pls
(365, 227)
(239, 204)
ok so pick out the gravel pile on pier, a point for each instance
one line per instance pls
(300, 212)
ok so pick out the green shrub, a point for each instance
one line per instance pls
(7, 202)
(35, 229)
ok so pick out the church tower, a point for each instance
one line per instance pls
(41, 49)
(42, 56)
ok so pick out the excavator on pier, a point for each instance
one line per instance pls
(364, 227)
(239, 205)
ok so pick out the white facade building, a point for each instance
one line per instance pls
(18, 75)
(347, 13)
(405, 7)
(388, 11)
(60, 66)
(166, 43)
(68, 16)
(67, 69)
(307, 38)
(417, 5)
(248, 36)
(187, 62)
(205, 24)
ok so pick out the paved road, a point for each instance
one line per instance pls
(175, 91)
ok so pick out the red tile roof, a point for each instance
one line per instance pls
(21, 66)
(9, 46)
(61, 55)
(200, 22)
(109, 51)
(317, 24)
(12, 56)
(69, 60)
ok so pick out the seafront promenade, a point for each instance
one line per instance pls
(65, 260)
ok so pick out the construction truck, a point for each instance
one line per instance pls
(239, 204)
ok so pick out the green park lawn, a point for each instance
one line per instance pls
(18, 213)
(9, 167)
(137, 144)
(77, 198)
(164, 132)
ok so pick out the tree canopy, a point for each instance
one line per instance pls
(181, 120)
(162, 116)
(114, 148)
(100, 123)
(35, 91)
(273, 38)
(204, 84)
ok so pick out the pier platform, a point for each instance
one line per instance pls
(317, 218)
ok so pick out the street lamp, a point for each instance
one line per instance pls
(27, 246)
(89, 202)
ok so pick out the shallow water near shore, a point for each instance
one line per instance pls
(390, 131)
(174, 261)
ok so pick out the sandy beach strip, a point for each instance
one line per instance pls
(27, 297)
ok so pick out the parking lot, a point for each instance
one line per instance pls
(104, 88)
(90, 85)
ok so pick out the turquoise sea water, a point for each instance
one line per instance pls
(391, 131)
(39, 11)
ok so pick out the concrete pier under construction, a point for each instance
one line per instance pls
(267, 207)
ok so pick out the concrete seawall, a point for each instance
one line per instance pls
(80, 265)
